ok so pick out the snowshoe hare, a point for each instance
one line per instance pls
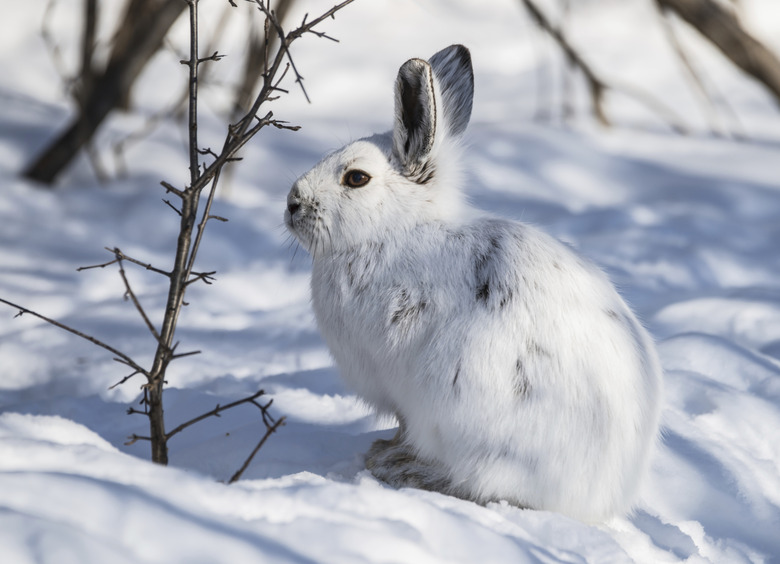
(515, 370)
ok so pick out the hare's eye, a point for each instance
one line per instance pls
(356, 178)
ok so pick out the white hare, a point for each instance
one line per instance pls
(515, 370)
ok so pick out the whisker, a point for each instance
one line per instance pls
(330, 237)
(316, 238)
(295, 252)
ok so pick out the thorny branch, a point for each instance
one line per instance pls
(120, 356)
(219, 409)
(268, 432)
(271, 426)
(154, 120)
(129, 292)
(119, 255)
(123, 380)
(182, 274)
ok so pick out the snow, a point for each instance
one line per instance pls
(686, 226)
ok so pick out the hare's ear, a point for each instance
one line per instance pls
(453, 72)
(415, 115)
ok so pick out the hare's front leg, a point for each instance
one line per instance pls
(395, 463)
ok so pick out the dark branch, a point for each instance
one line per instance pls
(174, 208)
(213, 57)
(146, 265)
(135, 438)
(206, 277)
(213, 413)
(134, 298)
(269, 431)
(208, 151)
(102, 265)
(121, 356)
(170, 188)
(121, 256)
(182, 355)
(123, 380)
(724, 30)
(596, 85)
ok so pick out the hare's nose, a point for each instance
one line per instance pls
(294, 200)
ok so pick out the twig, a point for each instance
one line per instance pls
(269, 431)
(207, 151)
(134, 298)
(284, 45)
(182, 355)
(286, 40)
(202, 227)
(213, 57)
(213, 413)
(710, 110)
(171, 188)
(135, 438)
(174, 208)
(193, 92)
(206, 277)
(101, 265)
(122, 357)
(596, 85)
(123, 380)
(121, 256)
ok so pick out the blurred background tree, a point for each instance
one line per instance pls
(103, 83)
(106, 73)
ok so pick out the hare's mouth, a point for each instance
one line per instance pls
(288, 221)
(308, 228)
(299, 228)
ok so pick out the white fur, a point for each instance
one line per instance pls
(515, 369)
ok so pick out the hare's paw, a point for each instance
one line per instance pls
(395, 463)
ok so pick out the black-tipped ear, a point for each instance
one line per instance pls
(415, 115)
(453, 71)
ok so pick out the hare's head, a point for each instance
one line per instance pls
(390, 182)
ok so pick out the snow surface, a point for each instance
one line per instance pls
(686, 226)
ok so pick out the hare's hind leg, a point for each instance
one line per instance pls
(395, 463)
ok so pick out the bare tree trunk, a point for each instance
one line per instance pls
(144, 26)
(721, 27)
